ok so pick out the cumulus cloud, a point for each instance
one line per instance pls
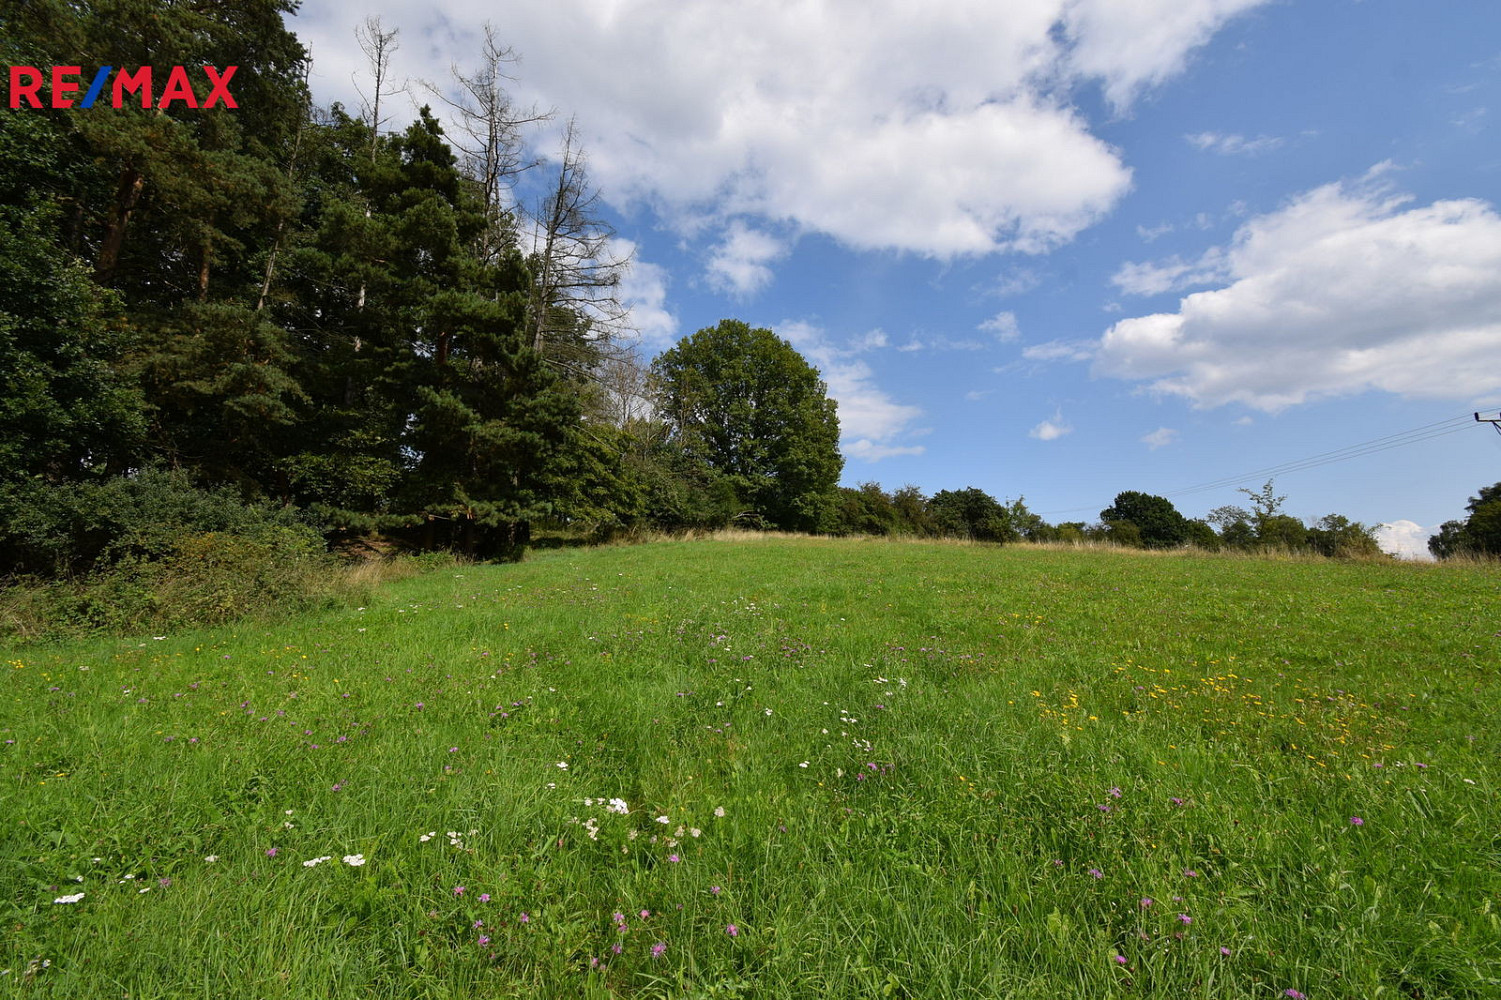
(940, 129)
(741, 264)
(1347, 288)
(1159, 438)
(871, 424)
(643, 293)
(1002, 326)
(1051, 429)
(1233, 145)
(1405, 539)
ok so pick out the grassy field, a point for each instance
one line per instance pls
(778, 768)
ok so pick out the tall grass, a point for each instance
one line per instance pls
(850, 769)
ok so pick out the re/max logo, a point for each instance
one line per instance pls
(26, 85)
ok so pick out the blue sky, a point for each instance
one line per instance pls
(1055, 248)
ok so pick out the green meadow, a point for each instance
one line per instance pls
(776, 767)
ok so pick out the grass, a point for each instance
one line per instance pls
(895, 769)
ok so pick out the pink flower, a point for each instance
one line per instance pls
(1293, 994)
(1224, 951)
(645, 914)
(271, 853)
(657, 949)
(458, 890)
(673, 858)
(1120, 960)
(483, 941)
(484, 897)
(1356, 821)
(1145, 903)
(1184, 918)
(732, 930)
(525, 918)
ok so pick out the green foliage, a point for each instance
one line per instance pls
(1157, 522)
(70, 528)
(744, 402)
(971, 513)
(1477, 534)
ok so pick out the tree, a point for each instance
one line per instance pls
(1478, 534)
(1158, 521)
(971, 513)
(744, 402)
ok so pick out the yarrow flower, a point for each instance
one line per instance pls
(618, 806)
(69, 899)
(354, 860)
(316, 861)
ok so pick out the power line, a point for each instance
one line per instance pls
(1400, 439)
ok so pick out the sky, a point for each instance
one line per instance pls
(1053, 249)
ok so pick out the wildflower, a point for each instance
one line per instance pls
(483, 941)
(338, 788)
(525, 918)
(478, 924)
(271, 852)
(1224, 951)
(354, 860)
(673, 858)
(1294, 994)
(715, 890)
(803, 764)
(1190, 873)
(1185, 919)
(1120, 960)
(719, 811)
(484, 897)
(617, 947)
(458, 890)
(1096, 873)
(69, 899)
(661, 946)
(212, 858)
(663, 820)
(1115, 793)
(562, 765)
(732, 930)
(696, 832)
(1176, 801)
(1356, 821)
(1146, 903)
(645, 914)
(618, 806)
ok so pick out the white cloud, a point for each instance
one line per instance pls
(1140, 44)
(1051, 429)
(1346, 288)
(1233, 145)
(869, 342)
(1171, 275)
(1159, 438)
(871, 423)
(1405, 539)
(643, 292)
(741, 264)
(1002, 326)
(941, 129)
(1150, 234)
(1060, 350)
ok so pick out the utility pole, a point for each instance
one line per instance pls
(1493, 421)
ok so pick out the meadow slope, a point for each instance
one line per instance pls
(776, 768)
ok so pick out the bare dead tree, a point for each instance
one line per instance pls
(575, 304)
(488, 135)
(379, 45)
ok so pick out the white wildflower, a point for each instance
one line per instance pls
(618, 806)
(354, 860)
(69, 899)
